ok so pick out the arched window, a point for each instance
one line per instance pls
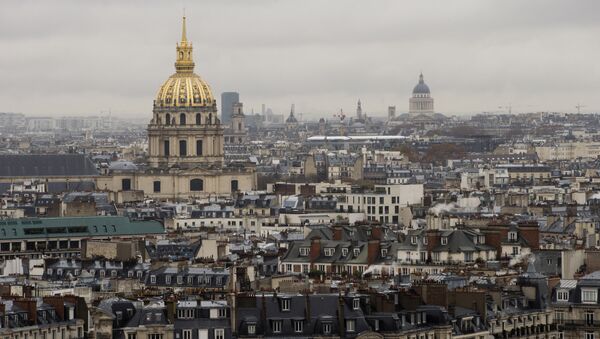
(198, 119)
(239, 126)
(168, 120)
(196, 185)
(210, 119)
(182, 119)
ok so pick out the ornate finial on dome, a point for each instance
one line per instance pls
(421, 78)
(185, 62)
(183, 35)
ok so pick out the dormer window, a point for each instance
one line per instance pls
(179, 280)
(444, 240)
(167, 279)
(413, 240)
(589, 296)
(356, 252)
(285, 304)
(512, 236)
(562, 295)
(304, 251)
(384, 252)
(356, 303)
(344, 252)
(153, 279)
(424, 240)
(329, 251)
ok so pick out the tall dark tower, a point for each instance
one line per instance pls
(228, 101)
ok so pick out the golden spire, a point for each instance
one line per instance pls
(183, 35)
(185, 62)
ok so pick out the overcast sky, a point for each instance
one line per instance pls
(84, 57)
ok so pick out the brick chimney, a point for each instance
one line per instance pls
(337, 232)
(376, 233)
(58, 302)
(531, 232)
(315, 248)
(433, 239)
(373, 248)
(30, 306)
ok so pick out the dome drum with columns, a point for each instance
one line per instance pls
(185, 129)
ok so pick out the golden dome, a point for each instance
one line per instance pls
(184, 88)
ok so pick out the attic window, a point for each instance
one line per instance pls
(304, 251)
(413, 240)
(285, 304)
(384, 252)
(329, 251)
(512, 236)
(444, 240)
(356, 304)
(424, 240)
(356, 252)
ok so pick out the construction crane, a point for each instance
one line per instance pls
(579, 107)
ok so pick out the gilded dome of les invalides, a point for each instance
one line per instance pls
(184, 87)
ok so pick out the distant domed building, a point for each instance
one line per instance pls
(421, 100)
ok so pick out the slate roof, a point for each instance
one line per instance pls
(46, 165)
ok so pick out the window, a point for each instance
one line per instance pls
(512, 236)
(326, 328)
(168, 119)
(187, 334)
(234, 186)
(198, 147)
(515, 250)
(285, 304)
(167, 279)
(222, 312)
(356, 303)
(350, 325)
(589, 335)
(167, 148)
(131, 335)
(304, 251)
(198, 119)
(329, 251)
(384, 252)
(251, 328)
(182, 119)
(298, 326)
(589, 317)
(356, 252)
(126, 184)
(156, 185)
(276, 326)
(559, 317)
(444, 240)
(155, 336)
(196, 185)
(344, 252)
(153, 279)
(562, 296)
(589, 296)
(182, 148)
(49, 271)
(179, 280)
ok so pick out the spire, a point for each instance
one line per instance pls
(421, 78)
(185, 61)
(183, 33)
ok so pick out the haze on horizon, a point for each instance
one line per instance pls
(81, 58)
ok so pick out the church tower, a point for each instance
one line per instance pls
(238, 125)
(185, 130)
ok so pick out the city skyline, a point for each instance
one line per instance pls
(79, 59)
